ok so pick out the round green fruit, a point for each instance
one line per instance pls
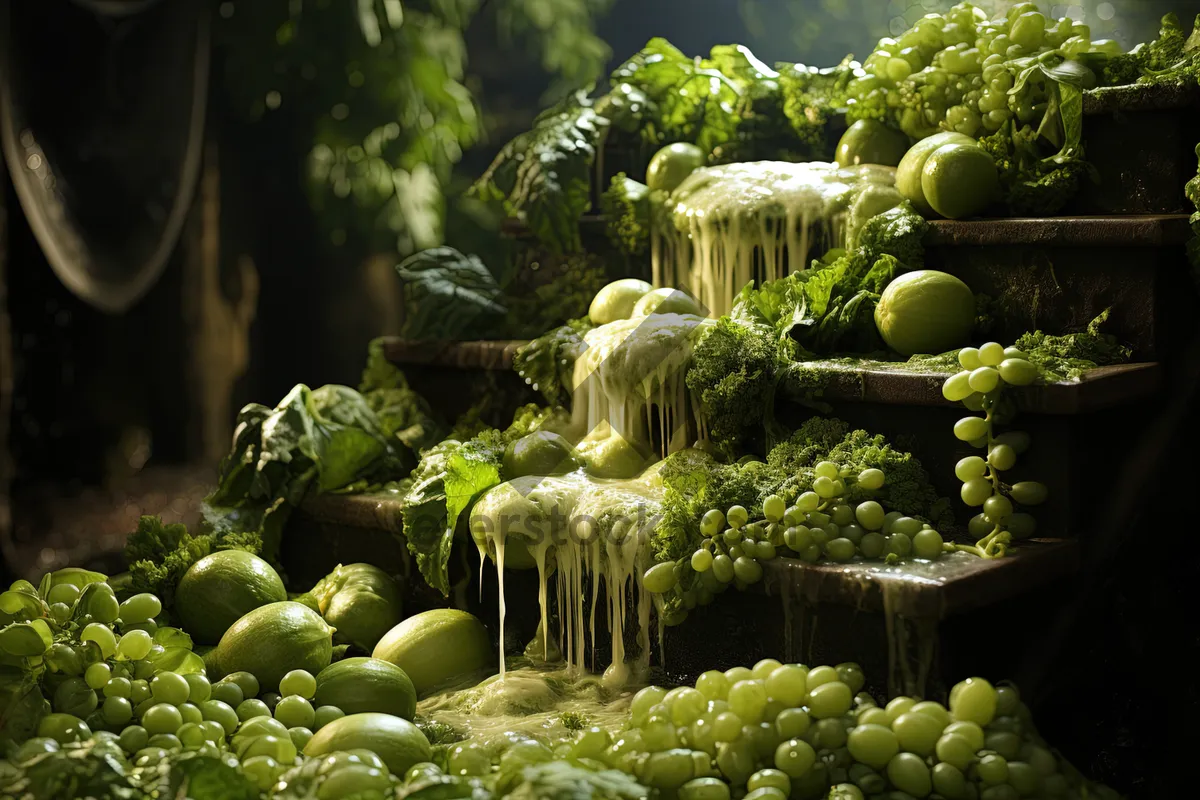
(667, 301)
(220, 589)
(360, 685)
(959, 180)
(925, 311)
(436, 648)
(616, 300)
(395, 740)
(539, 453)
(271, 641)
(908, 173)
(869, 141)
(672, 164)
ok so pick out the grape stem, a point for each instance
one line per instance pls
(995, 544)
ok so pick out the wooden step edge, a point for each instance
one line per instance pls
(1140, 97)
(954, 584)
(1097, 389)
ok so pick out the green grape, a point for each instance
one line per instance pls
(737, 516)
(702, 560)
(970, 428)
(824, 487)
(997, 508)
(723, 568)
(908, 526)
(644, 700)
(968, 359)
(249, 709)
(74, 696)
(766, 551)
(748, 700)
(798, 538)
(279, 748)
(770, 779)
(747, 570)
(970, 468)
(102, 635)
(118, 687)
(872, 545)
(64, 593)
(133, 738)
(167, 741)
(957, 387)
(134, 645)
(853, 532)
(1029, 493)
(841, 514)
(220, 712)
(97, 675)
(816, 519)
(199, 689)
(873, 715)
(103, 605)
(872, 744)
(144, 670)
(794, 758)
(949, 781)
(897, 706)
(980, 526)
(726, 727)
(918, 733)
(704, 789)
(1028, 30)
(908, 773)
(970, 731)
(191, 735)
(808, 501)
(899, 545)
(831, 699)
(227, 692)
(1018, 371)
(976, 491)
(735, 553)
(712, 522)
(840, 550)
(774, 508)
(826, 469)
(819, 676)
(213, 730)
(927, 544)
(1002, 457)
(60, 612)
(788, 684)
(1007, 700)
(117, 710)
(992, 769)
(828, 734)
(820, 536)
(871, 479)
(991, 354)
(973, 700)
(244, 681)
(974, 402)
(754, 531)
(870, 515)
(732, 536)
(162, 718)
(295, 712)
(325, 715)
(792, 723)
(140, 608)
(168, 687)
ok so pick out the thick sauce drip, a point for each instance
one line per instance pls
(735, 224)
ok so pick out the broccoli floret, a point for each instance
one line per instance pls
(1029, 184)
(575, 720)
(626, 205)
(733, 372)
(907, 487)
(1172, 56)
(810, 96)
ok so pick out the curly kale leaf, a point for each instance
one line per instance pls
(898, 232)
(543, 176)
(626, 207)
(1030, 184)
(546, 363)
(733, 372)
(1068, 356)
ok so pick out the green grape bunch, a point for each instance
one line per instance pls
(986, 372)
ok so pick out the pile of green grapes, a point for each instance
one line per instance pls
(987, 370)
(963, 72)
(785, 730)
(821, 525)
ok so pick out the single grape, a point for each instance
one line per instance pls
(829, 699)
(712, 522)
(702, 560)
(998, 508)
(295, 711)
(1029, 493)
(853, 532)
(774, 508)
(973, 700)
(168, 687)
(326, 715)
(249, 709)
(928, 544)
(1018, 371)
(794, 758)
(788, 684)
(840, 550)
(870, 515)
(748, 700)
(984, 380)
(970, 468)
(117, 711)
(976, 491)
(167, 741)
(873, 745)
(824, 487)
(97, 675)
(723, 568)
(957, 387)
(872, 545)
(808, 501)
(140, 608)
(871, 479)
(970, 428)
(797, 538)
(133, 738)
(841, 514)
(220, 712)
(102, 635)
(244, 681)
(907, 526)
(1002, 457)
(991, 354)
(908, 773)
(826, 469)
(968, 358)
(199, 689)
(770, 779)
(64, 593)
(161, 718)
(969, 731)
(737, 516)
(134, 645)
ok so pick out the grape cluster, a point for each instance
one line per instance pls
(986, 371)
(821, 525)
(963, 72)
(785, 730)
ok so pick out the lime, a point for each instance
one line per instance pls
(869, 141)
(437, 647)
(397, 741)
(538, 453)
(672, 164)
(357, 685)
(908, 173)
(925, 312)
(959, 180)
(616, 300)
(271, 641)
(220, 589)
(666, 301)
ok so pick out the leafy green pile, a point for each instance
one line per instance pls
(449, 477)
(448, 296)
(547, 362)
(626, 208)
(1174, 57)
(97, 769)
(402, 412)
(159, 554)
(566, 296)
(1066, 357)
(562, 779)
(694, 482)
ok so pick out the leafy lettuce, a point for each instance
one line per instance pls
(448, 296)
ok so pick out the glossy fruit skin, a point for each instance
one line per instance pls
(925, 311)
(221, 588)
(672, 164)
(869, 141)
(271, 641)
(397, 741)
(361, 601)
(909, 171)
(359, 685)
(616, 300)
(959, 180)
(437, 647)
